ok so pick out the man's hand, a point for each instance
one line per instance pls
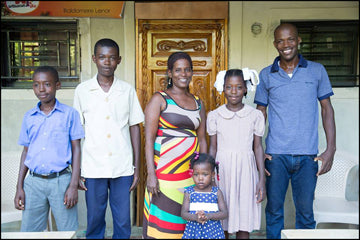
(327, 159)
(267, 173)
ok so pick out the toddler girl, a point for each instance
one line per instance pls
(235, 131)
(203, 206)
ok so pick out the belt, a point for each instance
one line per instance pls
(51, 175)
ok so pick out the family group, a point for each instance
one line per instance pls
(195, 188)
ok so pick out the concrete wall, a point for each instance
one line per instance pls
(245, 50)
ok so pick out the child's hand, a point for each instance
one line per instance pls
(82, 184)
(260, 192)
(201, 217)
(19, 200)
(71, 197)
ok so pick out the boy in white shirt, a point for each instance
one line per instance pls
(111, 113)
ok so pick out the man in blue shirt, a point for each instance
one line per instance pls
(50, 134)
(291, 87)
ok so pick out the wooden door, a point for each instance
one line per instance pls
(206, 43)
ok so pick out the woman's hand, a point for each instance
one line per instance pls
(152, 184)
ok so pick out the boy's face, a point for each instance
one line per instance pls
(106, 60)
(45, 86)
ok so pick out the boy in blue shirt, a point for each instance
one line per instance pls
(50, 134)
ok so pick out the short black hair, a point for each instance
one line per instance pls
(106, 42)
(49, 69)
(173, 58)
(286, 25)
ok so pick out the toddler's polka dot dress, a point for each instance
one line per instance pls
(208, 202)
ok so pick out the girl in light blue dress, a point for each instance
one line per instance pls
(203, 206)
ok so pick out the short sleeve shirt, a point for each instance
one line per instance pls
(107, 149)
(48, 137)
(293, 106)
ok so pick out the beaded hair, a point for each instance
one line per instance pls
(205, 158)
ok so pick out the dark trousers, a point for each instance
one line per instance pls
(97, 195)
(301, 170)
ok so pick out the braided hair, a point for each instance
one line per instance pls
(205, 158)
(234, 73)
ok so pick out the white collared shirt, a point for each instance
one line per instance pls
(107, 150)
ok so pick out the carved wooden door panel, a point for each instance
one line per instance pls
(206, 43)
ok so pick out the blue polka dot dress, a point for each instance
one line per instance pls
(208, 202)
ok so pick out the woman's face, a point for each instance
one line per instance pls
(181, 73)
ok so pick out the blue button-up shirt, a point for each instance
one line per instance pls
(48, 137)
(293, 106)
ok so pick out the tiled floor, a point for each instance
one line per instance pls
(135, 232)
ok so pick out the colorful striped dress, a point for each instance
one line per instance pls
(175, 144)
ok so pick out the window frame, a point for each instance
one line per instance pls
(338, 25)
(72, 77)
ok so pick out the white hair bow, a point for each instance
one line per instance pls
(251, 78)
(219, 83)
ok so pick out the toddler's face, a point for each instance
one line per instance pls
(234, 90)
(202, 175)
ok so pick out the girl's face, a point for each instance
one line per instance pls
(234, 90)
(181, 73)
(203, 175)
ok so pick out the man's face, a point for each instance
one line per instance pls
(286, 42)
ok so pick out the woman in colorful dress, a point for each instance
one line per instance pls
(174, 133)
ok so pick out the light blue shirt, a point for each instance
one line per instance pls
(293, 106)
(48, 137)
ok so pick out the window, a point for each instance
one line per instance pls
(26, 44)
(335, 45)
